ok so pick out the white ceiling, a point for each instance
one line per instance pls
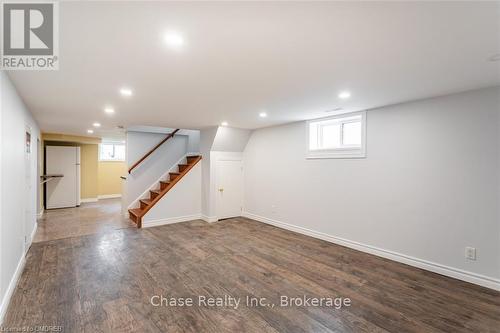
(288, 58)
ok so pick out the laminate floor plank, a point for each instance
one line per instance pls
(102, 279)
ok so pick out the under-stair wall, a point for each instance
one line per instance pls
(181, 203)
(155, 166)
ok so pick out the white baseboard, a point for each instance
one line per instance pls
(15, 278)
(40, 214)
(109, 196)
(170, 220)
(10, 289)
(33, 233)
(456, 273)
(209, 219)
(89, 200)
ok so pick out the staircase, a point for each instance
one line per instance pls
(136, 214)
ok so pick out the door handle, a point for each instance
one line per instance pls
(221, 190)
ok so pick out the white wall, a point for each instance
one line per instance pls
(181, 203)
(230, 139)
(218, 143)
(2, 288)
(207, 137)
(17, 199)
(428, 187)
(151, 169)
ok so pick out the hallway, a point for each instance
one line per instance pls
(90, 218)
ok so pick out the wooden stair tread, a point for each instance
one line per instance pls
(136, 211)
(165, 186)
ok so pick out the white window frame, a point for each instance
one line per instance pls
(340, 152)
(114, 144)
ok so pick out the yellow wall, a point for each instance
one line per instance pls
(109, 177)
(89, 170)
(70, 138)
(97, 178)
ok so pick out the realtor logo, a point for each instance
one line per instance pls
(29, 36)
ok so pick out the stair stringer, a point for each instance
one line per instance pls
(153, 186)
(181, 203)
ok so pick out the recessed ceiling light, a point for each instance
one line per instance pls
(495, 57)
(344, 94)
(174, 40)
(126, 92)
(96, 124)
(109, 110)
(263, 115)
(90, 131)
(224, 123)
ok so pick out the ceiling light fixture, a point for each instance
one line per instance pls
(174, 40)
(96, 124)
(224, 123)
(344, 95)
(109, 110)
(263, 115)
(90, 131)
(126, 92)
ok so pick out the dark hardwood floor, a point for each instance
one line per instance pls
(104, 283)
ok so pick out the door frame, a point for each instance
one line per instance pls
(28, 186)
(226, 156)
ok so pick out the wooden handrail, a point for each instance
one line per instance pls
(151, 151)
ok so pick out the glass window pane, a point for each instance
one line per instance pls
(120, 152)
(313, 136)
(106, 151)
(352, 134)
(112, 152)
(330, 136)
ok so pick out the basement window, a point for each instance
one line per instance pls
(340, 136)
(111, 152)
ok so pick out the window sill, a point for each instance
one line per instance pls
(337, 154)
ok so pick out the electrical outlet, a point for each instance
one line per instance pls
(470, 253)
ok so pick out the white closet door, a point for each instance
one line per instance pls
(62, 192)
(229, 189)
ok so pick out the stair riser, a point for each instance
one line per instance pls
(136, 214)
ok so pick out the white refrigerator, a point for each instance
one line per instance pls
(63, 190)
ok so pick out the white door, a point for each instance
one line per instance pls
(62, 192)
(229, 188)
